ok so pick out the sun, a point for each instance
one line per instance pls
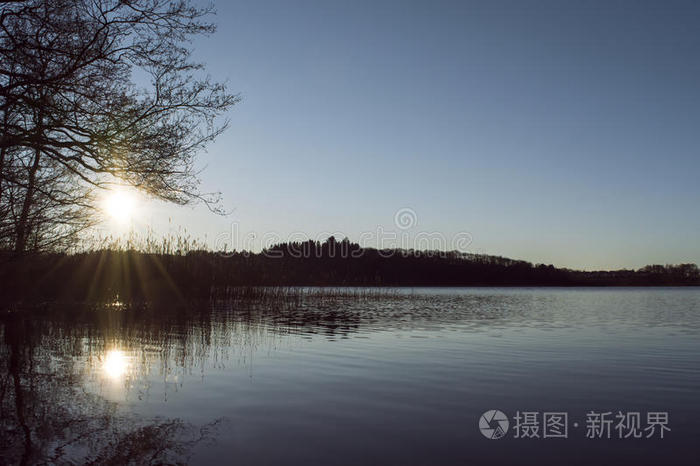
(119, 205)
(115, 364)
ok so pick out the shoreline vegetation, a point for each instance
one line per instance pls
(177, 271)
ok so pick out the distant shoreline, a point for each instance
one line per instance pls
(130, 275)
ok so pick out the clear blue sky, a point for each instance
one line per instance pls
(561, 132)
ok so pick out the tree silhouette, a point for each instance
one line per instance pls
(72, 112)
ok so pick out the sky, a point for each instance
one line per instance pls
(562, 132)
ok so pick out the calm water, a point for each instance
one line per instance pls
(391, 380)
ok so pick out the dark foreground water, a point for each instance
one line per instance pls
(399, 379)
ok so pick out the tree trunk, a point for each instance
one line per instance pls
(22, 232)
(2, 175)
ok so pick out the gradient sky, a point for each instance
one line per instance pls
(561, 132)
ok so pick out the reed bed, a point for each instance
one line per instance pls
(300, 294)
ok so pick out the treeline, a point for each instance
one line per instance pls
(130, 274)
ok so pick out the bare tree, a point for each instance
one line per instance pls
(72, 111)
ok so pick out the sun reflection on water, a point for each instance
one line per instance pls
(115, 364)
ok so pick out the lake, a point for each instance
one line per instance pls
(576, 376)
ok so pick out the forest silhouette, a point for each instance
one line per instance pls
(130, 274)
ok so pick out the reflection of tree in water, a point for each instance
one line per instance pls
(53, 360)
(48, 417)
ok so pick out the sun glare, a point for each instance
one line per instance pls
(119, 205)
(115, 364)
